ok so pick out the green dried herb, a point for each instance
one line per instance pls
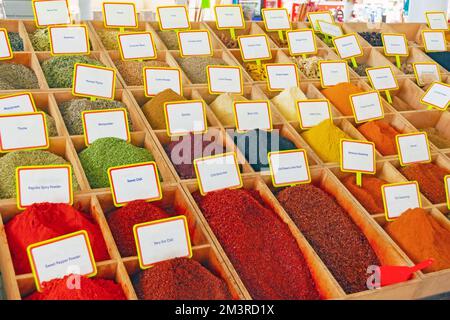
(195, 67)
(131, 71)
(170, 39)
(16, 41)
(109, 39)
(59, 70)
(10, 161)
(105, 153)
(17, 76)
(71, 112)
(40, 40)
(51, 124)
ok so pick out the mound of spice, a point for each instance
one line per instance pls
(360, 69)
(435, 136)
(407, 68)
(51, 124)
(10, 161)
(58, 70)
(222, 107)
(430, 178)
(71, 112)
(331, 232)
(170, 39)
(369, 194)
(257, 72)
(339, 95)
(16, 41)
(256, 144)
(229, 42)
(325, 139)
(17, 76)
(184, 151)
(154, 108)
(43, 221)
(105, 153)
(373, 38)
(131, 71)
(122, 221)
(286, 102)
(309, 66)
(40, 39)
(195, 67)
(382, 134)
(421, 237)
(89, 289)
(270, 264)
(443, 58)
(109, 38)
(179, 279)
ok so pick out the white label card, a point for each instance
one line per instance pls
(357, 156)
(162, 240)
(314, 17)
(281, 76)
(348, 46)
(254, 47)
(185, 116)
(20, 103)
(160, 79)
(330, 29)
(276, 19)
(382, 78)
(301, 42)
(447, 189)
(138, 45)
(289, 167)
(434, 41)
(437, 95)
(333, 73)
(224, 79)
(99, 124)
(62, 256)
(413, 148)
(217, 172)
(437, 20)
(229, 16)
(134, 182)
(23, 131)
(69, 39)
(120, 14)
(51, 12)
(312, 113)
(5, 49)
(367, 106)
(395, 44)
(195, 43)
(44, 184)
(400, 197)
(94, 81)
(173, 17)
(252, 115)
(426, 73)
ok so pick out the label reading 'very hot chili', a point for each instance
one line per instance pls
(223, 79)
(312, 112)
(357, 156)
(289, 167)
(254, 47)
(93, 81)
(250, 115)
(413, 148)
(17, 103)
(161, 240)
(99, 124)
(217, 172)
(185, 117)
(159, 79)
(195, 43)
(333, 72)
(119, 14)
(51, 12)
(399, 197)
(137, 45)
(57, 257)
(366, 106)
(281, 76)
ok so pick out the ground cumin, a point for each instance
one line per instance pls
(382, 134)
(369, 194)
(422, 237)
(339, 96)
(154, 108)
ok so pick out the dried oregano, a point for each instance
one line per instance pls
(71, 112)
(16, 41)
(17, 76)
(40, 40)
(59, 70)
(109, 39)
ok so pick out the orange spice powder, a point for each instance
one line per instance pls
(339, 96)
(369, 194)
(382, 134)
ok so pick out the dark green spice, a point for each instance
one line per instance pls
(59, 70)
(40, 40)
(10, 161)
(106, 153)
(71, 112)
(16, 41)
(17, 76)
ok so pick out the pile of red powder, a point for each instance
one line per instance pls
(89, 289)
(259, 245)
(44, 221)
(179, 279)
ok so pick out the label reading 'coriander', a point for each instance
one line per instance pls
(195, 43)
(367, 106)
(250, 115)
(137, 45)
(99, 124)
(68, 40)
(400, 197)
(185, 117)
(357, 156)
(229, 16)
(281, 76)
(17, 103)
(119, 15)
(223, 79)
(413, 148)
(312, 112)
(254, 47)
(289, 167)
(159, 79)
(51, 12)
(93, 81)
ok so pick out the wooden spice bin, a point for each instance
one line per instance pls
(374, 58)
(406, 97)
(412, 32)
(359, 27)
(18, 26)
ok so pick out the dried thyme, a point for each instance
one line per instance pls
(17, 76)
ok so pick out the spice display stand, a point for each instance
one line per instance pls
(178, 193)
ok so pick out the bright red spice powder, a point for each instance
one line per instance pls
(89, 289)
(259, 245)
(44, 221)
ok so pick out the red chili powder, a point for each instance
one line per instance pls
(122, 221)
(44, 221)
(259, 245)
(89, 289)
(369, 194)
(180, 279)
